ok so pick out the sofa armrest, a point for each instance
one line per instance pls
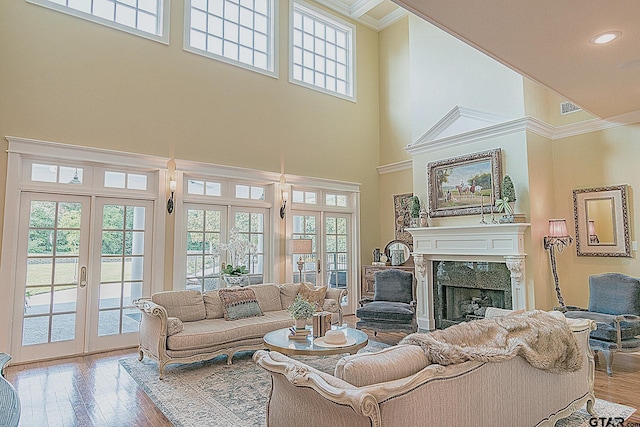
(336, 294)
(153, 326)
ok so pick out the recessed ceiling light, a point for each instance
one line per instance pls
(606, 37)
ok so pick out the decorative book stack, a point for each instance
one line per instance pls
(299, 334)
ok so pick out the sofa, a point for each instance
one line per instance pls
(187, 326)
(398, 386)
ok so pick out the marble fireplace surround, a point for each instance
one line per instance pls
(492, 242)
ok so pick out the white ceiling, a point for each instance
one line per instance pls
(548, 41)
(545, 40)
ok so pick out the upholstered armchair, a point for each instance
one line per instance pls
(614, 304)
(393, 307)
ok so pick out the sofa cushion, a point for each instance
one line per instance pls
(187, 305)
(239, 303)
(268, 296)
(213, 305)
(288, 293)
(386, 310)
(174, 325)
(386, 365)
(313, 295)
(214, 332)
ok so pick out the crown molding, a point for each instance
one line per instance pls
(429, 141)
(482, 134)
(360, 7)
(358, 10)
(395, 167)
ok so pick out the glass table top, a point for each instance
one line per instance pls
(279, 341)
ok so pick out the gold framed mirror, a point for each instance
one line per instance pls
(602, 221)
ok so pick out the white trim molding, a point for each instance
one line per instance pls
(490, 126)
(395, 167)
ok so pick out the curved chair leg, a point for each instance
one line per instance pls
(590, 404)
(608, 358)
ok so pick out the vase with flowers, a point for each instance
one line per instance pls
(239, 250)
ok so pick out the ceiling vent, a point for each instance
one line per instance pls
(568, 108)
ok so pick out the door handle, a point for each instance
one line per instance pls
(318, 266)
(83, 276)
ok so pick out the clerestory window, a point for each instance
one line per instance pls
(146, 18)
(322, 51)
(239, 32)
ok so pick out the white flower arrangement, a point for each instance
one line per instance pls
(240, 250)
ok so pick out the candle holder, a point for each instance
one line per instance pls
(482, 221)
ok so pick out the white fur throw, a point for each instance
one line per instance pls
(544, 341)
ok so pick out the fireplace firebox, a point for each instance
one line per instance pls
(463, 290)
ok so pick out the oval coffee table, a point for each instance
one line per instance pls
(280, 342)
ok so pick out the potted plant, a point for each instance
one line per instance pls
(239, 249)
(301, 310)
(507, 200)
(415, 210)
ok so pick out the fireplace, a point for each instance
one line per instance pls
(494, 251)
(462, 290)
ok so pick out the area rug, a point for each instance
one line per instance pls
(213, 394)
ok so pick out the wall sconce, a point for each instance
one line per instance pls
(558, 238)
(172, 188)
(302, 247)
(285, 198)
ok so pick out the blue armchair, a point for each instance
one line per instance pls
(393, 307)
(614, 304)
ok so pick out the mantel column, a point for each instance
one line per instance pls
(515, 264)
(424, 296)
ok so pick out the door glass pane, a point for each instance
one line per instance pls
(336, 258)
(122, 267)
(304, 227)
(203, 249)
(249, 227)
(63, 327)
(35, 330)
(109, 295)
(52, 259)
(64, 298)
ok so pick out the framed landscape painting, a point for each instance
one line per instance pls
(464, 185)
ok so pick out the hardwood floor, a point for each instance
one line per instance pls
(95, 390)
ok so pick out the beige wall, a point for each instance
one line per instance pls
(72, 81)
(395, 92)
(597, 159)
(399, 182)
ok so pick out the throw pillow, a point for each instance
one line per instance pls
(315, 295)
(239, 303)
(174, 325)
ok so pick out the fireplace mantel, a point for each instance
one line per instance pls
(491, 242)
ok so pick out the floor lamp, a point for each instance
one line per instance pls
(557, 239)
(301, 247)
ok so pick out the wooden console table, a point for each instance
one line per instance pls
(366, 280)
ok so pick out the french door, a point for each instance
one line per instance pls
(80, 265)
(329, 262)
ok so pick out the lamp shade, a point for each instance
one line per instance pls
(558, 228)
(592, 228)
(300, 246)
